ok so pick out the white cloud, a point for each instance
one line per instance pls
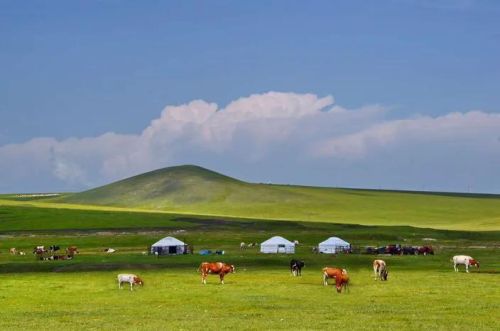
(475, 127)
(283, 135)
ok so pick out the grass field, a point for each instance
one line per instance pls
(261, 295)
(81, 294)
(198, 191)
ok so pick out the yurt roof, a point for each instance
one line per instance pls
(277, 240)
(334, 241)
(168, 241)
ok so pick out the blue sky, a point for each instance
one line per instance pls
(76, 71)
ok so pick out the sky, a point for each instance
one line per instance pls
(394, 94)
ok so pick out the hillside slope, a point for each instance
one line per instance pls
(192, 189)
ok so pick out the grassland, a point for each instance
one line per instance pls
(211, 211)
(81, 294)
(192, 190)
(261, 295)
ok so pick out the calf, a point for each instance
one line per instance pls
(296, 267)
(129, 278)
(340, 275)
(380, 269)
(465, 260)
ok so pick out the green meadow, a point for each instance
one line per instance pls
(192, 190)
(82, 294)
(212, 211)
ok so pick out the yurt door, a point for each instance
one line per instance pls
(281, 248)
(172, 249)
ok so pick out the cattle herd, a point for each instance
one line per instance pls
(339, 275)
(51, 253)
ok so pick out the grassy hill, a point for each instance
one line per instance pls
(198, 191)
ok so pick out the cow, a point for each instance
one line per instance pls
(380, 269)
(296, 267)
(39, 250)
(217, 268)
(340, 275)
(296, 242)
(242, 245)
(72, 250)
(109, 250)
(131, 279)
(13, 251)
(465, 260)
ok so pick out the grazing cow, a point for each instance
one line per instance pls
(242, 245)
(218, 268)
(465, 260)
(380, 269)
(296, 267)
(296, 242)
(131, 279)
(22, 253)
(13, 251)
(109, 250)
(72, 250)
(340, 275)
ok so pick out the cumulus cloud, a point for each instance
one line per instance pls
(287, 137)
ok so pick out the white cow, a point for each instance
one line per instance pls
(380, 269)
(465, 260)
(129, 278)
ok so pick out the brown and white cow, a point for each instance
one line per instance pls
(340, 275)
(131, 279)
(380, 269)
(465, 260)
(217, 268)
(13, 251)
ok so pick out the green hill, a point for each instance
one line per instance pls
(192, 189)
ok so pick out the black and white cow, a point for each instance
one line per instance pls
(296, 267)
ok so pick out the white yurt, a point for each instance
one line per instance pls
(333, 245)
(169, 246)
(277, 244)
